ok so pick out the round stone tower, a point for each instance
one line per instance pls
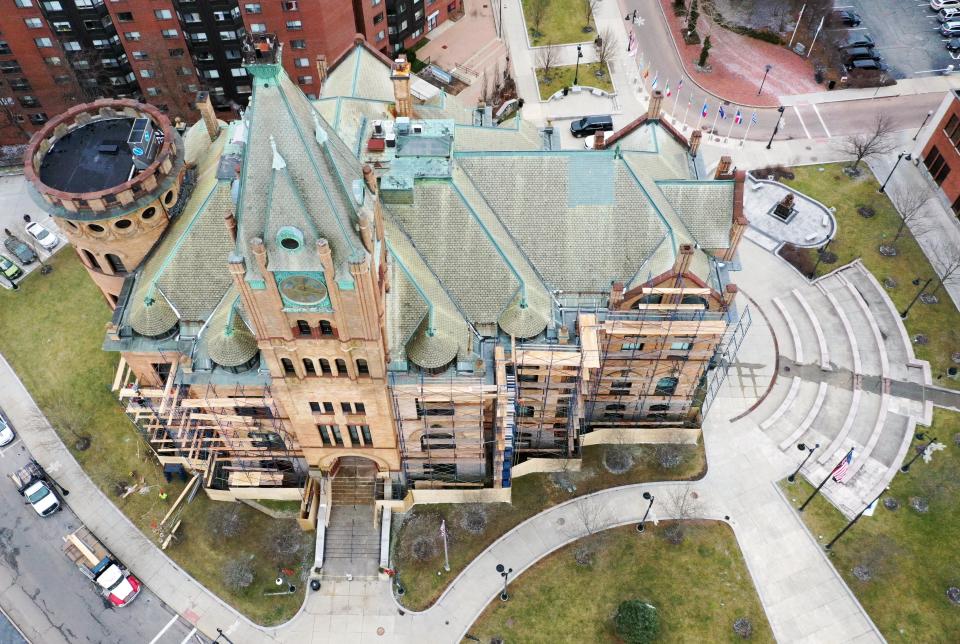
(110, 172)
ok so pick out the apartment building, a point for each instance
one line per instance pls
(58, 53)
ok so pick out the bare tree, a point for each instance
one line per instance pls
(589, 8)
(876, 140)
(946, 262)
(238, 573)
(591, 516)
(67, 419)
(538, 11)
(224, 520)
(547, 59)
(910, 203)
(606, 46)
(682, 505)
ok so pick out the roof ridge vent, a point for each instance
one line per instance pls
(318, 131)
(278, 162)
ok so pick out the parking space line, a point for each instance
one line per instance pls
(824, 125)
(802, 124)
(189, 635)
(163, 630)
(9, 447)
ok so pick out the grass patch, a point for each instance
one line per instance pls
(563, 23)
(561, 77)
(699, 589)
(51, 331)
(912, 557)
(280, 506)
(861, 237)
(531, 495)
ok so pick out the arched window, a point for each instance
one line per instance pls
(650, 299)
(666, 386)
(325, 367)
(437, 440)
(308, 367)
(695, 299)
(303, 327)
(326, 328)
(362, 368)
(115, 264)
(341, 367)
(91, 260)
(288, 366)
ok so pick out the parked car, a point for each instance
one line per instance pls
(951, 28)
(847, 18)
(9, 269)
(860, 53)
(111, 578)
(20, 250)
(865, 64)
(46, 238)
(591, 125)
(860, 40)
(937, 5)
(949, 14)
(953, 44)
(6, 432)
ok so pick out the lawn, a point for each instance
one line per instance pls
(561, 77)
(563, 22)
(861, 237)
(418, 551)
(699, 588)
(912, 558)
(51, 331)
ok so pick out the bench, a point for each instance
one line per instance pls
(757, 186)
(811, 237)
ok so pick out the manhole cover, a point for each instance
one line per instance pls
(381, 630)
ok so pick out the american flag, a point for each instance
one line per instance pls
(443, 528)
(840, 471)
(738, 118)
(754, 119)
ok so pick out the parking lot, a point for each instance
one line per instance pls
(906, 33)
(14, 204)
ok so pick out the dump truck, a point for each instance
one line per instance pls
(112, 580)
(31, 482)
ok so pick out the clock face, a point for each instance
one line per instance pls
(303, 290)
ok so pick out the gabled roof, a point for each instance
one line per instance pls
(359, 73)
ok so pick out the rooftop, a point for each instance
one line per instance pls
(90, 158)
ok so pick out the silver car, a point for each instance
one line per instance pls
(6, 432)
(43, 236)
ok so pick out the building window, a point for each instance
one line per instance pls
(359, 408)
(298, 44)
(681, 346)
(308, 367)
(346, 408)
(374, 3)
(324, 434)
(365, 433)
(341, 367)
(451, 7)
(53, 6)
(140, 55)
(325, 367)
(253, 7)
(91, 259)
(238, 72)
(258, 28)
(198, 37)
(952, 130)
(956, 207)
(301, 62)
(294, 25)
(62, 27)
(147, 73)
(53, 61)
(303, 328)
(162, 369)
(362, 368)
(132, 35)
(305, 80)
(23, 3)
(380, 35)
(666, 386)
(43, 43)
(288, 366)
(633, 346)
(176, 53)
(29, 101)
(290, 5)
(33, 23)
(124, 16)
(356, 431)
(162, 14)
(72, 45)
(315, 407)
(937, 166)
(326, 328)
(377, 19)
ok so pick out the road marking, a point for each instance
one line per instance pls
(813, 105)
(802, 124)
(931, 71)
(189, 635)
(165, 629)
(856, 28)
(9, 447)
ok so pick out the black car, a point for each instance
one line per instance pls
(20, 250)
(953, 44)
(847, 18)
(860, 53)
(858, 40)
(591, 125)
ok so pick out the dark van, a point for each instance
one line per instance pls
(861, 53)
(591, 125)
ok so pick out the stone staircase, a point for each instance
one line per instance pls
(352, 543)
(842, 344)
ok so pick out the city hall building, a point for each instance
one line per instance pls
(387, 285)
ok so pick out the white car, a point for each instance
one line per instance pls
(937, 5)
(46, 238)
(6, 432)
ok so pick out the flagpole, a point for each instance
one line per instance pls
(673, 114)
(749, 125)
(686, 112)
(855, 519)
(815, 492)
(845, 461)
(446, 557)
(713, 128)
(733, 122)
(700, 120)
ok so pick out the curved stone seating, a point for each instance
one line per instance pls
(874, 327)
(847, 329)
(792, 328)
(817, 329)
(836, 289)
(841, 437)
(807, 421)
(860, 458)
(784, 406)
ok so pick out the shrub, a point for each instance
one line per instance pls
(225, 520)
(800, 258)
(637, 622)
(238, 573)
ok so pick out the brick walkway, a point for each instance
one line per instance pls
(738, 62)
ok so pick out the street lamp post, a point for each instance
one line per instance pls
(649, 497)
(904, 313)
(902, 155)
(925, 119)
(766, 70)
(801, 447)
(777, 126)
(920, 436)
(576, 72)
(505, 573)
(220, 634)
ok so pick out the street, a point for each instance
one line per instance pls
(47, 597)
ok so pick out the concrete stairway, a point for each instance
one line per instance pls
(352, 542)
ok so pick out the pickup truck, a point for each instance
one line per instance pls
(32, 483)
(20, 250)
(112, 580)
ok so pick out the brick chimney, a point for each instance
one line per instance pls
(231, 223)
(321, 67)
(205, 106)
(653, 109)
(723, 168)
(400, 75)
(695, 142)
